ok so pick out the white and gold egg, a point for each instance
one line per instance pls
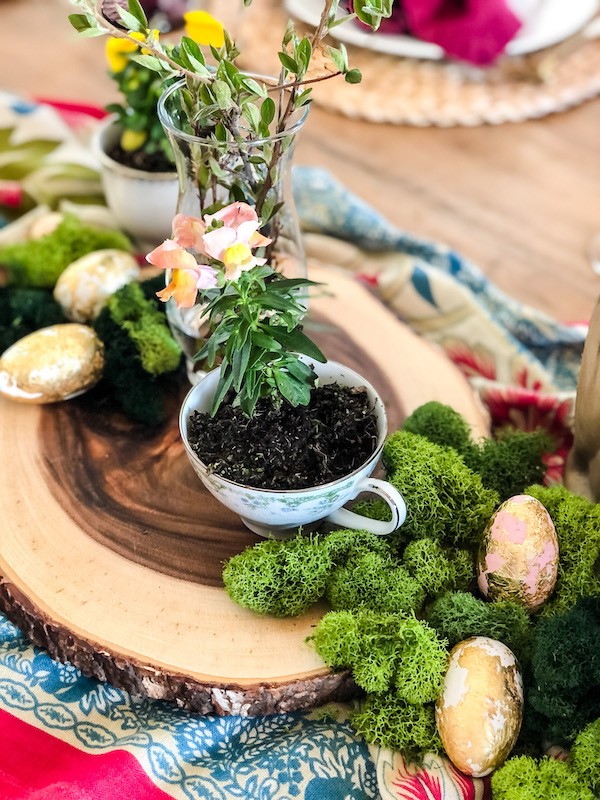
(85, 285)
(480, 709)
(52, 364)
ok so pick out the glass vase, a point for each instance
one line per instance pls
(213, 174)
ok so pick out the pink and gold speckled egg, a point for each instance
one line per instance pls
(518, 557)
(480, 709)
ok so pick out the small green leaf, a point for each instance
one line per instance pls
(151, 62)
(80, 22)
(353, 76)
(254, 87)
(130, 20)
(224, 385)
(267, 111)
(222, 94)
(252, 114)
(264, 341)
(288, 62)
(294, 391)
(137, 11)
(298, 342)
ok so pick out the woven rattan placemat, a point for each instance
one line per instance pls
(415, 92)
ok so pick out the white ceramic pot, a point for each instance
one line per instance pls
(278, 513)
(143, 203)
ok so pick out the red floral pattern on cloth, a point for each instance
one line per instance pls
(435, 779)
(528, 409)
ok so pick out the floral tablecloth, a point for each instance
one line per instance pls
(63, 735)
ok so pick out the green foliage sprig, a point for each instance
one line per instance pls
(255, 323)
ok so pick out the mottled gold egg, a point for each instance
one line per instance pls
(84, 287)
(52, 364)
(518, 556)
(480, 709)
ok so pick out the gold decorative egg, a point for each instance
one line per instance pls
(85, 285)
(54, 363)
(518, 557)
(480, 710)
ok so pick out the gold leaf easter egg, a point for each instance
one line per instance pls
(518, 556)
(85, 285)
(52, 364)
(480, 709)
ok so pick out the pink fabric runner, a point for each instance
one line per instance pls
(37, 766)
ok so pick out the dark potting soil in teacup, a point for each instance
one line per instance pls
(283, 447)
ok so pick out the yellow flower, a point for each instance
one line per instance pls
(118, 49)
(203, 28)
(116, 53)
(133, 140)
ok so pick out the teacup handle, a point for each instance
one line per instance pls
(385, 490)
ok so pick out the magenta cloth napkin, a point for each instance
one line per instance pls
(469, 30)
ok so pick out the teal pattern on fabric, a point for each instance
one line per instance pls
(307, 755)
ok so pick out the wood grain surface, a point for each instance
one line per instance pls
(111, 551)
(520, 200)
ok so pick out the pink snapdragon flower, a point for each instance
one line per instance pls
(187, 275)
(228, 237)
(232, 243)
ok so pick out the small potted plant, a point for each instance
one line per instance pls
(277, 433)
(138, 171)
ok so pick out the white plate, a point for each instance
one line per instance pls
(546, 23)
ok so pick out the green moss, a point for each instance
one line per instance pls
(585, 756)
(524, 778)
(147, 328)
(372, 580)
(436, 568)
(389, 721)
(459, 615)
(565, 663)
(513, 461)
(23, 311)
(136, 392)
(384, 650)
(39, 262)
(445, 500)
(442, 425)
(577, 523)
(343, 545)
(282, 578)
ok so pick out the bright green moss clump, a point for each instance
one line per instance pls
(375, 581)
(577, 523)
(459, 615)
(442, 425)
(384, 651)
(585, 756)
(444, 498)
(506, 464)
(39, 262)
(436, 568)
(147, 327)
(343, 545)
(389, 721)
(282, 578)
(524, 778)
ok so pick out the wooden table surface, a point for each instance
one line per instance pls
(521, 200)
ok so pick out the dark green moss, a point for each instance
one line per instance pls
(442, 425)
(459, 615)
(23, 311)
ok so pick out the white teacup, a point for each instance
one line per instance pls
(278, 513)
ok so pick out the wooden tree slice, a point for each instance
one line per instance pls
(112, 551)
